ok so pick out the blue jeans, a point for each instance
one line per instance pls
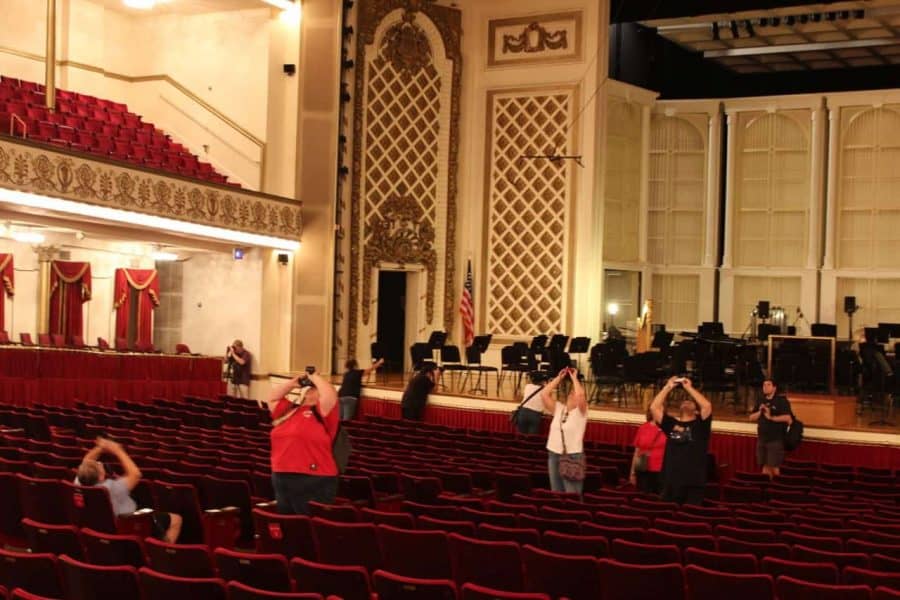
(557, 483)
(348, 407)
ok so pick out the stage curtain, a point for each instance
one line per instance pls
(70, 288)
(146, 283)
(8, 288)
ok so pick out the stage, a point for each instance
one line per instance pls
(734, 437)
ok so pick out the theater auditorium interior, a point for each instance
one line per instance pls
(634, 189)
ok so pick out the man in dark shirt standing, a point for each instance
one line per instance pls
(684, 463)
(351, 387)
(412, 406)
(239, 362)
(772, 415)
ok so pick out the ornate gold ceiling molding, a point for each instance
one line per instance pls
(58, 174)
(449, 24)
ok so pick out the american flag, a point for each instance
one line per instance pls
(467, 308)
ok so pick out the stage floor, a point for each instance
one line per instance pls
(729, 416)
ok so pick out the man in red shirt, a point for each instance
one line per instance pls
(303, 431)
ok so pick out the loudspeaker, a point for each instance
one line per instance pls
(849, 304)
(283, 258)
(289, 68)
(762, 309)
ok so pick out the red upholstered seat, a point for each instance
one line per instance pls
(262, 571)
(706, 584)
(93, 582)
(789, 588)
(183, 560)
(159, 586)
(102, 344)
(239, 591)
(338, 580)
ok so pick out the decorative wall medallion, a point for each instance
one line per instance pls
(406, 46)
(401, 235)
(541, 39)
(534, 38)
(47, 171)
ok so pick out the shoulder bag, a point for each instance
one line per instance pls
(514, 417)
(571, 468)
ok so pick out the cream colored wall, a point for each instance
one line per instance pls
(583, 272)
(222, 301)
(220, 57)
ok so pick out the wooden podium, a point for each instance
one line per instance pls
(826, 411)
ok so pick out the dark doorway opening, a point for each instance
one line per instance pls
(391, 334)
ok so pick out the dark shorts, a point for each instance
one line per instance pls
(161, 523)
(293, 491)
(770, 454)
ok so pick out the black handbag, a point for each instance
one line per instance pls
(514, 416)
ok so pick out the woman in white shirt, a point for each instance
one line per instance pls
(566, 430)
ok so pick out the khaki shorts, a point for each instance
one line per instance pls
(770, 454)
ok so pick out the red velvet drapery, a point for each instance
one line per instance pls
(146, 283)
(7, 279)
(70, 288)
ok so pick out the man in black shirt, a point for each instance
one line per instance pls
(351, 387)
(416, 394)
(772, 415)
(684, 463)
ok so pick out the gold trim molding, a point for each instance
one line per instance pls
(49, 172)
(448, 22)
(518, 48)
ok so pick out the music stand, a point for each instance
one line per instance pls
(436, 341)
(482, 342)
(558, 341)
(579, 346)
(662, 339)
(711, 330)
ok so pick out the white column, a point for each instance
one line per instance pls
(713, 150)
(643, 223)
(816, 172)
(831, 195)
(729, 190)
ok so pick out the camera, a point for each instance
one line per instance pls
(310, 370)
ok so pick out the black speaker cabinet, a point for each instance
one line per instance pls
(849, 304)
(762, 309)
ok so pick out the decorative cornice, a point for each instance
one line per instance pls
(535, 38)
(58, 174)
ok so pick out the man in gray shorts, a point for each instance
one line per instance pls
(92, 472)
(772, 415)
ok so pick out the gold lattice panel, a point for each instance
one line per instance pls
(527, 215)
(401, 158)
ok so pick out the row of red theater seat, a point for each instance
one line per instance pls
(423, 561)
(93, 125)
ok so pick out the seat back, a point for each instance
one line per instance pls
(720, 561)
(159, 586)
(219, 493)
(55, 539)
(290, 535)
(471, 591)
(182, 349)
(240, 591)
(347, 543)
(262, 571)
(390, 586)
(575, 545)
(574, 577)
(635, 553)
(89, 506)
(619, 580)
(706, 584)
(181, 499)
(797, 589)
(181, 560)
(57, 340)
(492, 564)
(95, 582)
(349, 582)
(4, 337)
(413, 553)
(25, 339)
(78, 341)
(102, 344)
(35, 572)
(44, 339)
(819, 572)
(107, 549)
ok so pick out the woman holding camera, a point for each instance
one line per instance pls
(303, 431)
(684, 463)
(565, 443)
(649, 449)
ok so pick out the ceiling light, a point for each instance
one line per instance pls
(140, 4)
(28, 237)
(163, 256)
(220, 234)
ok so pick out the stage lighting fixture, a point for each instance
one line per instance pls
(734, 30)
(283, 258)
(289, 69)
(238, 254)
(715, 28)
